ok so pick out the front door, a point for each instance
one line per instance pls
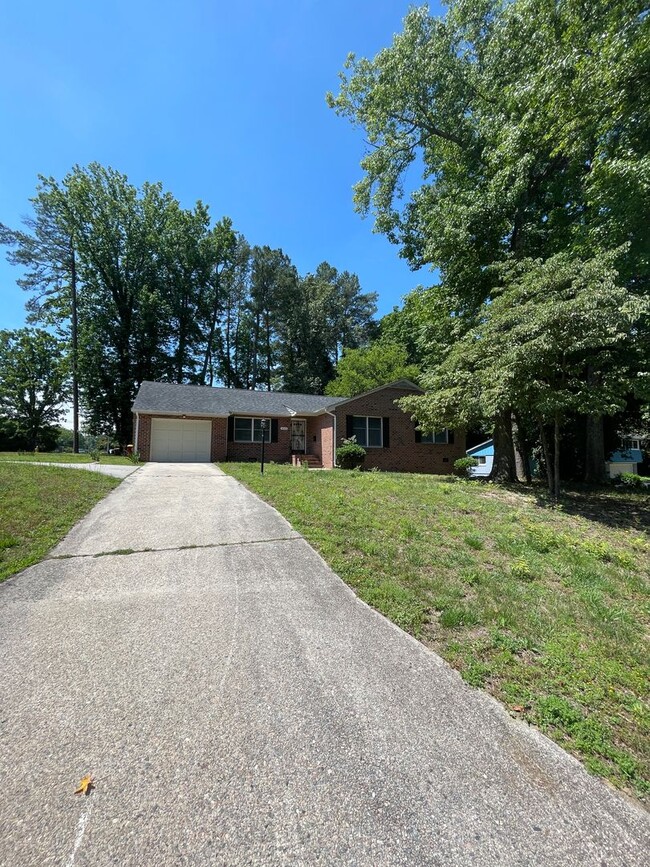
(298, 434)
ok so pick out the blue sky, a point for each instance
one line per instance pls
(221, 102)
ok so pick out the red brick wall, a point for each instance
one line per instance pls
(280, 451)
(144, 436)
(320, 433)
(218, 448)
(403, 454)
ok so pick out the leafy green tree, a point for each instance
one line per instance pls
(360, 370)
(230, 354)
(47, 252)
(132, 278)
(218, 254)
(33, 383)
(323, 314)
(144, 289)
(272, 277)
(529, 346)
(125, 324)
(530, 124)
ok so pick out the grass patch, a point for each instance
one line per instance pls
(546, 608)
(62, 457)
(38, 505)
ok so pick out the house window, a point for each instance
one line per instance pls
(631, 444)
(439, 437)
(249, 430)
(480, 459)
(368, 431)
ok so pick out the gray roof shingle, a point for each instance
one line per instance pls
(173, 399)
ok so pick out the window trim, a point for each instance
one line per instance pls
(252, 419)
(378, 418)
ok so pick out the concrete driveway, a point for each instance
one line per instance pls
(238, 705)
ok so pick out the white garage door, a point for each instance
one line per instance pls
(180, 440)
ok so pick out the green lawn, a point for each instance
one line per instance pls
(547, 609)
(61, 457)
(38, 505)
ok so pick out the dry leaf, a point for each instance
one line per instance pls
(85, 785)
(519, 708)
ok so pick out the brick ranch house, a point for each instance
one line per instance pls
(199, 423)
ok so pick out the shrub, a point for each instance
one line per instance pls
(350, 455)
(463, 466)
(632, 480)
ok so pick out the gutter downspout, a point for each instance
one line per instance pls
(334, 439)
(137, 427)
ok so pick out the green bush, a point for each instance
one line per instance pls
(349, 456)
(632, 480)
(463, 466)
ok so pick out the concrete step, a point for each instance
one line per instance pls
(312, 461)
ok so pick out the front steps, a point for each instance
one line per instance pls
(311, 461)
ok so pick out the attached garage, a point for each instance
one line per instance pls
(183, 440)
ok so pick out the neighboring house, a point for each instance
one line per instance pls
(627, 459)
(484, 454)
(200, 423)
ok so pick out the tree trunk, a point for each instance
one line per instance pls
(556, 458)
(255, 349)
(595, 439)
(595, 456)
(503, 468)
(521, 452)
(75, 352)
(268, 351)
(547, 457)
(214, 315)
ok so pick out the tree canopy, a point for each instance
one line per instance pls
(33, 386)
(529, 126)
(143, 289)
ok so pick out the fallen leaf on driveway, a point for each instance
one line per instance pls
(85, 785)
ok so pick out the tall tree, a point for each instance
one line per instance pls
(232, 350)
(219, 255)
(529, 346)
(524, 121)
(319, 316)
(272, 276)
(47, 252)
(33, 382)
(119, 231)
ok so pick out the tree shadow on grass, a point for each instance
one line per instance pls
(624, 510)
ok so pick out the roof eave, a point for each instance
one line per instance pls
(180, 414)
(394, 384)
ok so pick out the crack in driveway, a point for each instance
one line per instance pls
(124, 552)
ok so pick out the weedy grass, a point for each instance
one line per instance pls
(546, 608)
(38, 505)
(62, 457)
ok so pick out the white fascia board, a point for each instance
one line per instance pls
(169, 412)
